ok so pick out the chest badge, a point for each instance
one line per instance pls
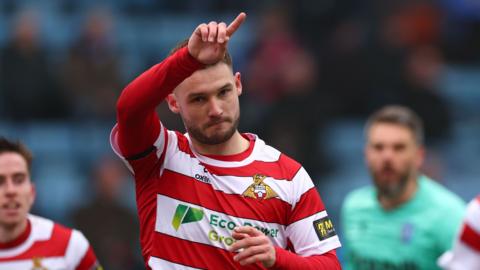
(259, 190)
(37, 264)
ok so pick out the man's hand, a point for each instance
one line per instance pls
(208, 43)
(252, 246)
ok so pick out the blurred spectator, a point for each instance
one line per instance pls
(110, 226)
(461, 38)
(346, 70)
(280, 66)
(281, 79)
(423, 69)
(91, 72)
(28, 90)
(404, 211)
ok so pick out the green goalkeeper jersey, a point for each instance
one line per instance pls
(409, 237)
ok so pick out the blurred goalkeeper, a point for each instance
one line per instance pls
(405, 220)
(214, 198)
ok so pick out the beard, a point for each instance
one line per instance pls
(391, 186)
(217, 137)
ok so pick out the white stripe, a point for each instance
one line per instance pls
(214, 229)
(160, 141)
(473, 215)
(116, 147)
(51, 263)
(301, 183)
(41, 231)
(77, 248)
(305, 240)
(159, 264)
(461, 257)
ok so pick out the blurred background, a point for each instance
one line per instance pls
(312, 72)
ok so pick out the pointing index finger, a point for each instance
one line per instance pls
(233, 26)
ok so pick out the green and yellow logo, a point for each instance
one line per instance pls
(186, 214)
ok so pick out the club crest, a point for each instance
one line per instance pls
(37, 264)
(259, 190)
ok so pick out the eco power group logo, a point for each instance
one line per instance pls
(186, 214)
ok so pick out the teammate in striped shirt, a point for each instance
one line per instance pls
(214, 198)
(465, 253)
(29, 242)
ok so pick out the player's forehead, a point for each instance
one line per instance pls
(210, 78)
(390, 133)
(12, 162)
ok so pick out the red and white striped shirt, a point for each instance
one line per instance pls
(188, 203)
(465, 253)
(47, 245)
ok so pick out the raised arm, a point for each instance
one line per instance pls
(138, 123)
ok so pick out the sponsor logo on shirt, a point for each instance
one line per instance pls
(324, 228)
(185, 214)
(259, 190)
(203, 177)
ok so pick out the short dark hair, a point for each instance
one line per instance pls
(227, 59)
(8, 146)
(398, 115)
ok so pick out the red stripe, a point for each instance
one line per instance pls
(146, 176)
(88, 261)
(240, 156)
(478, 198)
(470, 237)
(56, 246)
(183, 145)
(310, 203)
(195, 254)
(284, 168)
(199, 193)
(20, 239)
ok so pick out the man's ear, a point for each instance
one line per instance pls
(172, 103)
(34, 192)
(238, 83)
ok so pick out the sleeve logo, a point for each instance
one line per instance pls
(324, 228)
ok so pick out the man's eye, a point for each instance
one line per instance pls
(198, 99)
(18, 179)
(224, 92)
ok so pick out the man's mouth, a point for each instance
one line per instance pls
(214, 123)
(11, 206)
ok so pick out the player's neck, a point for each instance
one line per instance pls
(390, 203)
(235, 145)
(9, 233)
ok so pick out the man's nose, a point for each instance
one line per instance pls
(10, 188)
(214, 108)
(387, 153)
